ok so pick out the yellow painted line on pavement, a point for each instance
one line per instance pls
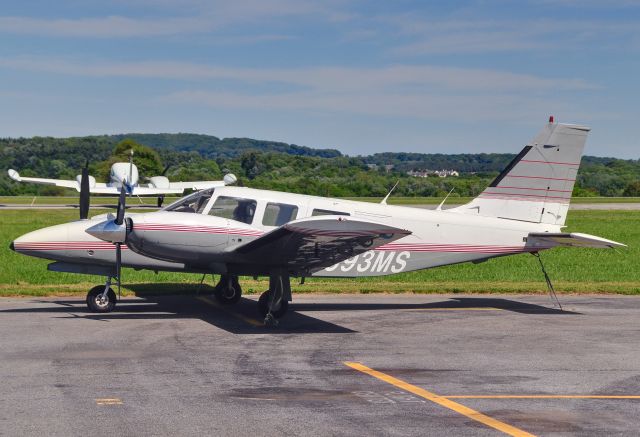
(252, 322)
(543, 397)
(442, 401)
(109, 401)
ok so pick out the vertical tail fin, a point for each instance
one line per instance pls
(536, 186)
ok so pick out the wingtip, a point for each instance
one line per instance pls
(14, 175)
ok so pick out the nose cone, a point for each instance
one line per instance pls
(44, 243)
(109, 231)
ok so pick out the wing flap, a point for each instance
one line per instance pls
(311, 244)
(573, 239)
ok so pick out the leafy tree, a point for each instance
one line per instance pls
(632, 190)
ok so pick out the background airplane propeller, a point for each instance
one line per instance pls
(84, 192)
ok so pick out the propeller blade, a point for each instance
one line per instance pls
(84, 193)
(119, 264)
(121, 204)
(166, 168)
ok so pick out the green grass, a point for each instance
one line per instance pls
(73, 200)
(462, 200)
(573, 270)
(106, 200)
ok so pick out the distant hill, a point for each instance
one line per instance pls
(212, 147)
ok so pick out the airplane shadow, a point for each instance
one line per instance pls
(243, 318)
(460, 303)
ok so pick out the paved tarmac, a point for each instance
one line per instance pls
(436, 365)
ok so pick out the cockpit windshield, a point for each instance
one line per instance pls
(194, 203)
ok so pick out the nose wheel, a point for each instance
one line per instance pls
(100, 302)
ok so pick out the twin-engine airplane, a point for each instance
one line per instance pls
(235, 231)
(125, 174)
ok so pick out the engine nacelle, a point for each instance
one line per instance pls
(159, 182)
(179, 237)
(92, 181)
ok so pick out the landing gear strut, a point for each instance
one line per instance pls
(101, 298)
(274, 303)
(228, 290)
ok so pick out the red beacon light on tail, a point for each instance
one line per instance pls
(551, 119)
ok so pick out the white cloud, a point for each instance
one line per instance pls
(204, 16)
(399, 78)
(104, 27)
(425, 36)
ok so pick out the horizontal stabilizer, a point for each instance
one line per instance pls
(574, 239)
(312, 244)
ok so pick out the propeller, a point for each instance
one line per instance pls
(84, 192)
(114, 231)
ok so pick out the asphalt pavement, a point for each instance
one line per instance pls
(439, 365)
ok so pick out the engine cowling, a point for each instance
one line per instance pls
(159, 182)
(92, 181)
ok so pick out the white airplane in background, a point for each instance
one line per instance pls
(125, 174)
(235, 231)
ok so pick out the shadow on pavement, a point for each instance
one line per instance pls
(452, 303)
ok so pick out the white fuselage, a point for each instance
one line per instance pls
(195, 234)
(122, 172)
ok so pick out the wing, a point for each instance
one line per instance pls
(56, 182)
(311, 244)
(149, 191)
(196, 185)
(570, 240)
(229, 179)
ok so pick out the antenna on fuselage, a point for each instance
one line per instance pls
(384, 201)
(439, 207)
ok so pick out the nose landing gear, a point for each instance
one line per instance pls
(101, 299)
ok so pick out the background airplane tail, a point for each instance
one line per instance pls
(537, 185)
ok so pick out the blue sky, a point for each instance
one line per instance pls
(360, 76)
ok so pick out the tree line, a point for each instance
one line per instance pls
(280, 166)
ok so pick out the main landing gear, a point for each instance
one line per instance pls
(274, 303)
(227, 291)
(101, 298)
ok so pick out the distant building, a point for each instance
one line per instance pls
(426, 173)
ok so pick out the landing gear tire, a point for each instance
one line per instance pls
(263, 306)
(97, 304)
(228, 290)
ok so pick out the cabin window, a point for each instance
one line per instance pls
(234, 208)
(327, 212)
(194, 203)
(277, 214)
